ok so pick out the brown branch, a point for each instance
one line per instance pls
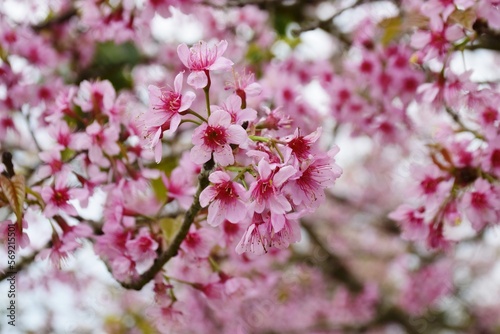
(335, 267)
(173, 249)
(49, 23)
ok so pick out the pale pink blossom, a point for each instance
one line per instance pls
(482, 205)
(256, 238)
(202, 58)
(95, 96)
(179, 187)
(143, 247)
(99, 140)
(308, 186)
(232, 105)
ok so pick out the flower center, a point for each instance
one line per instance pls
(61, 197)
(225, 192)
(171, 101)
(215, 136)
(495, 159)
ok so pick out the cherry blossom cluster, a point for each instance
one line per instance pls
(461, 184)
(261, 176)
(191, 168)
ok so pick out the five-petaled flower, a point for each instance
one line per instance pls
(201, 58)
(216, 137)
(266, 192)
(226, 198)
(164, 108)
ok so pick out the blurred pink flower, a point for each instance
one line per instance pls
(201, 58)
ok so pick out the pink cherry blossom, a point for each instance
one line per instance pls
(302, 145)
(226, 199)
(255, 239)
(179, 187)
(266, 192)
(199, 242)
(201, 58)
(216, 137)
(95, 96)
(314, 176)
(482, 205)
(232, 105)
(99, 140)
(244, 85)
(54, 164)
(143, 247)
(57, 197)
(164, 108)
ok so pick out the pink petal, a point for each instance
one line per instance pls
(198, 134)
(174, 123)
(187, 100)
(219, 117)
(178, 82)
(183, 53)
(283, 175)
(221, 64)
(253, 89)
(197, 79)
(221, 48)
(216, 213)
(264, 169)
(158, 149)
(219, 177)
(207, 195)
(199, 155)
(224, 156)
(237, 135)
(278, 221)
(236, 212)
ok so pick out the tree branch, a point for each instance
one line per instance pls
(173, 249)
(335, 267)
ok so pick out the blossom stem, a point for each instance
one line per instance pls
(190, 121)
(194, 113)
(206, 89)
(259, 138)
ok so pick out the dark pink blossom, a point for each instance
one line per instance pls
(164, 108)
(226, 199)
(57, 197)
(216, 137)
(143, 247)
(266, 192)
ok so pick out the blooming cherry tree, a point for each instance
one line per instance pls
(246, 166)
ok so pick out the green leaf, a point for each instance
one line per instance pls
(67, 154)
(159, 189)
(114, 62)
(170, 227)
(392, 28)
